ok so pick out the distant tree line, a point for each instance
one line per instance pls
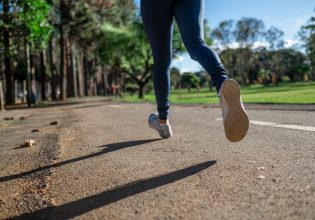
(55, 49)
(253, 54)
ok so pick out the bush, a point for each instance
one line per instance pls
(132, 89)
(149, 88)
(286, 79)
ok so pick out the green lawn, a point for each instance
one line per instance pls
(292, 93)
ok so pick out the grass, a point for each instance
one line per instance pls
(291, 93)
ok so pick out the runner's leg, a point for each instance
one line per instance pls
(189, 15)
(157, 16)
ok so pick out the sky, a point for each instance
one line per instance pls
(287, 15)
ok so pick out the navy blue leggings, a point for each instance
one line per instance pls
(158, 16)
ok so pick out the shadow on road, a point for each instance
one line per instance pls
(87, 106)
(107, 149)
(59, 103)
(81, 206)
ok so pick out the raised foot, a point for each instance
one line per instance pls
(235, 118)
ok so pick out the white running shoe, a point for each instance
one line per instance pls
(165, 131)
(235, 118)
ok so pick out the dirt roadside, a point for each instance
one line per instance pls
(26, 172)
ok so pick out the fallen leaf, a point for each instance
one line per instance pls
(8, 118)
(28, 143)
(307, 188)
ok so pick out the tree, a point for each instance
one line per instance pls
(291, 63)
(307, 35)
(120, 12)
(1, 90)
(224, 33)
(90, 16)
(7, 26)
(81, 45)
(128, 51)
(247, 32)
(175, 78)
(64, 17)
(274, 37)
(229, 57)
(36, 30)
(190, 80)
(27, 20)
(71, 60)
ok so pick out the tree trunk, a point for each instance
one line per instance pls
(1, 86)
(141, 88)
(23, 84)
(28, 73)
(93, 81)
(16, 84)
(53, 70)
(70, 80)
(74, 69)
(43, 74)
(80, 74)
(63, 65)
(1, 97)
(230, 58)
(243, 67)
(122, 85)
(85, 73)
(313, 69)
(94, 87)
(10, 96)
(97, 76)
(105, 80)
(33, 91)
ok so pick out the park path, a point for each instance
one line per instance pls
(107, 164)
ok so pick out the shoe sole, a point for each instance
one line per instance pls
(236, 123)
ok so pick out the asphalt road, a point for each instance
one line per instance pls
(103, 162)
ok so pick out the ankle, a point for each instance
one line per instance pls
(163, 122)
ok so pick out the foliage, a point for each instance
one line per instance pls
(120, 12)
(190, 80)
(307, 35)
(248, 31)
(224, 33)
(34, 21)
(266, 62)
(274, 36)
(175, 78)
(128, 51)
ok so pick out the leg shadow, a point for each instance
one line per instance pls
(81, 206)
(106, 149)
